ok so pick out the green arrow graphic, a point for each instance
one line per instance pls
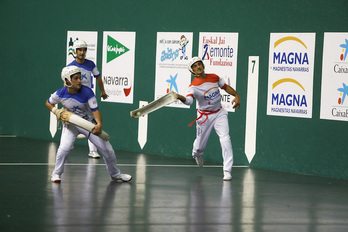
(114, 49)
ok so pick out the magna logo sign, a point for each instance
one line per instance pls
(290, 79)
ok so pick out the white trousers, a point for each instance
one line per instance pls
(218, 121)
(91, 146)
(67, 140)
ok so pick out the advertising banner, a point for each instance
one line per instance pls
(219, 54)
(334, 81)
(290, 74)
(173, 52)
(118, 66)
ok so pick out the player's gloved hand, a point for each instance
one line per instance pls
(97, 129)
(62, 114)
(57, 112)
(180, 97)
(65, 115)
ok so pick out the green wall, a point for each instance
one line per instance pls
(33, 44)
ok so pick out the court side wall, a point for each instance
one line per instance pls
(33, 45)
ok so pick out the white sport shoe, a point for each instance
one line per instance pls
(55, 178)
(199, 161)
(227, 175)
(94, 154)
(123, 177)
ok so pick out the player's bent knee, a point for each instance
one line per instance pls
(224, 139)
(65, 148)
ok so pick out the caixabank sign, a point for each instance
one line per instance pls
(334, 84)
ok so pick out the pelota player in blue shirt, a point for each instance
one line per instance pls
(81, 100)
(88, 71)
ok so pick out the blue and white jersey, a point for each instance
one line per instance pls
(81, 103)
(88, 68)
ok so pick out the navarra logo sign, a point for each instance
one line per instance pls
(114, 49)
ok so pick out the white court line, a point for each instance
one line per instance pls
(124, 165)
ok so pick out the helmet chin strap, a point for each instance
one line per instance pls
(193, 73)
(201, 75)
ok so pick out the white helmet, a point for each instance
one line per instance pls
(192, 61)
(79, 44)
(68, 71)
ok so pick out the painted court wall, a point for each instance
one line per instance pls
(33, 45)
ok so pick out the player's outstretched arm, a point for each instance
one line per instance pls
(180, 97)
(236, 100)
(101, 87)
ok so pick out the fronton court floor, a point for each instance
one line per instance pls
(166, 194)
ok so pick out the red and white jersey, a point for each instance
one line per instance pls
(206, 92)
